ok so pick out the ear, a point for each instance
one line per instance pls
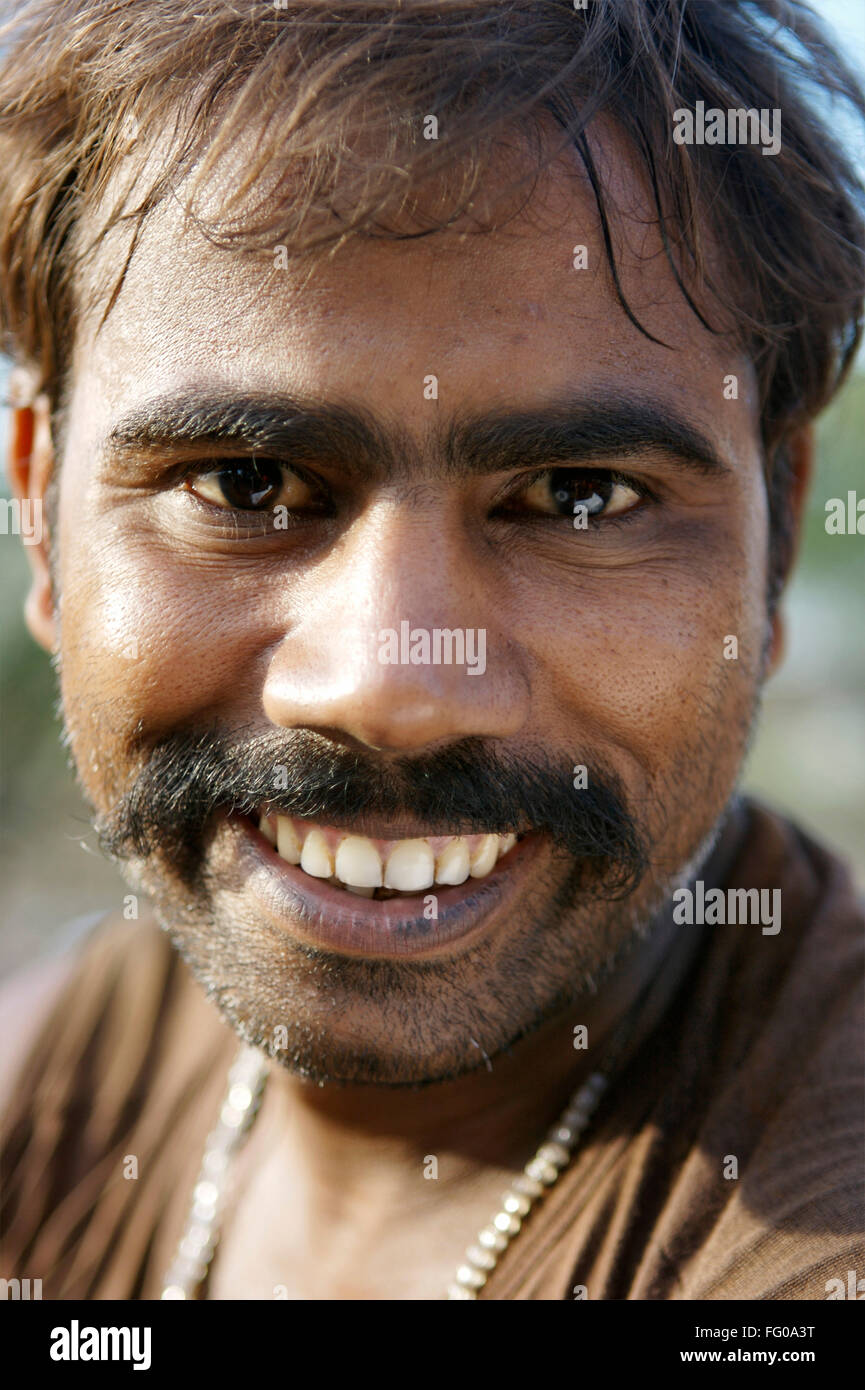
(30, 465)
(800, 447)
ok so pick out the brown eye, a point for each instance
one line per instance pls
(560, 491)
(252, 485)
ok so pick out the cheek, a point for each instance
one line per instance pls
(656, 663)
(151, 643)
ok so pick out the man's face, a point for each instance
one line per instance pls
(186, 614)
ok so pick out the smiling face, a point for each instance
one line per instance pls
(274, 482)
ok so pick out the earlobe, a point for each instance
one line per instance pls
(30, 466)
(800, 452)
(39, 613)
(777, 648)
(801, 449)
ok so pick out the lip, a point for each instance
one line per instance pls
(323, 916)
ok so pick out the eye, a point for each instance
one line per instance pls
(253, 485)
(566, 491)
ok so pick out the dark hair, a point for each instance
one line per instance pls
(339, 94)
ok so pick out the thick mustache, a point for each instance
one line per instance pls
(465, 787)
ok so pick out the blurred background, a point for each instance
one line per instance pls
(808, 758)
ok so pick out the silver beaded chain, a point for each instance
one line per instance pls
(246, 1081)
(195, 1249)
(538, 1176)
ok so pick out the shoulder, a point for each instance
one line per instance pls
(789, 1099)
(26, 998)
(118, 1053)
(82, 969)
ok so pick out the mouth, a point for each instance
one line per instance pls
(382, 895)
(383, 868)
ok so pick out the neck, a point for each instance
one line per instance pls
(352, 1156)
(513, 1098)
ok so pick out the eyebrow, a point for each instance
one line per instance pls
(575, 429)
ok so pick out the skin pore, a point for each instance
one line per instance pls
(605, 647)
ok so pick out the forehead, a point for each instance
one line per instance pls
(512, 316)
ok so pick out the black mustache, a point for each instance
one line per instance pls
(463, 788)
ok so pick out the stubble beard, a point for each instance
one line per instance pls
(338, 1020)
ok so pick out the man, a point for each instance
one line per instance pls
(423, 429)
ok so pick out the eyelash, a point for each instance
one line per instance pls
(525, 481)
(187, 472)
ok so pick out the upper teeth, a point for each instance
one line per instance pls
(358, 862)
(410, 865)
(406, 865)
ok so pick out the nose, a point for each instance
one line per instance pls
(398, 642)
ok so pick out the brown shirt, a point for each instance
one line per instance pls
(756, 1069)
